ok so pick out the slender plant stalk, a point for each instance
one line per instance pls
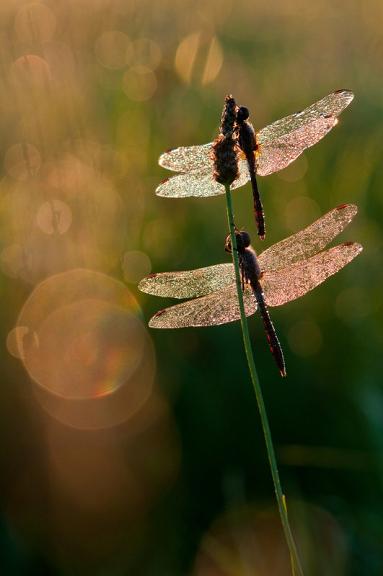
(291, 557)
(296, 565)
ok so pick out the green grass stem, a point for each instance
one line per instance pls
(296, 565)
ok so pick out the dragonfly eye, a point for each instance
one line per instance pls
(242, 114)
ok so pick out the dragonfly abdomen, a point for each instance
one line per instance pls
(247, 141)
(257, 203)
(272, 338)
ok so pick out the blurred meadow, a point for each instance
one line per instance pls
(127, 451)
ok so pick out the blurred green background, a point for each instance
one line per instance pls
(112, 463)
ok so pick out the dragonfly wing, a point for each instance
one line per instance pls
(278, 154)
(290, 283)
(191, 184)
(199, 184)
(189, 284)
(308, 241)
(283, 141)
(188, 158)
(219, 307)
(329, 106)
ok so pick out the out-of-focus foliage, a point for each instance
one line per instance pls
(115, 464)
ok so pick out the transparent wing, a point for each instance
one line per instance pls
(191, 184)
(280, 142)
(188, 159)
(283, 141)
(331, 105)
(281, 152)
(308, 241)
(220, 307)
(189, 284)
(198, 184)
(290, 283)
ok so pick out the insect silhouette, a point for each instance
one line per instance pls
(284, 272)
(259, 153)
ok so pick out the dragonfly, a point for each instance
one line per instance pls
(259, 153)
(283, 272)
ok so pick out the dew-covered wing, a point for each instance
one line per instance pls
(283, 141)
(308, 241)
(279, 153)
(188, 158)
(199, 184)
(220, 307)
(292, 282)
(189, 283)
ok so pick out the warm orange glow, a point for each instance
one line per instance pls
(214, 61)
(139, 83)
(186, 55)
(35, 22)
(113, 49)
(87, 341)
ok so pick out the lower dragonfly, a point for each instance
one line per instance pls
(260, 153)
(250, 276)
(282, 273)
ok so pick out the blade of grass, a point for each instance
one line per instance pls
(296, 565)
(293, 571)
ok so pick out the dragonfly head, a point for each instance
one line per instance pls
(243, 238)
(242, 114)
(243, 241)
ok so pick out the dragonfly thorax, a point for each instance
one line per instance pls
(247, 139)
(247, 255)
(250, 264)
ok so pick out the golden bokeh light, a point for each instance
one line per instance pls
(146, 53)
(247, 540)
(54, 217)
(66, 217)
(213, 64)
(79, 335)
(186, 55)
(113, 49)
(17, 339)
(198, 59)
(139, 83)
(86, 349)
(30, 73)
(107, 411)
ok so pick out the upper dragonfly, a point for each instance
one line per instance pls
(259, 153)
(285, 271)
